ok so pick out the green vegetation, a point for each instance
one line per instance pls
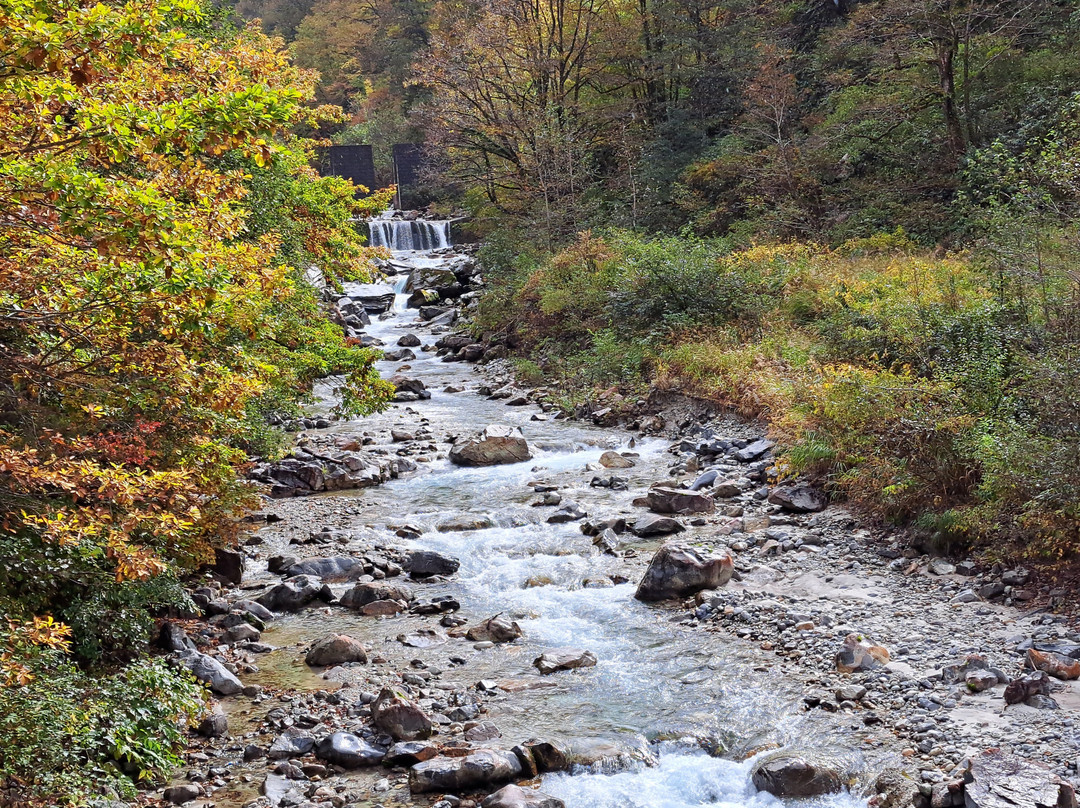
(158, 216)
(908, 381)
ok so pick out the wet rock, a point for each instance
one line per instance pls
(214, 725)
(464, 523)
(341, 568)
(425, 563)
(400, 355)
(856, 654)
(254, 609)
(567, 512)
(1057, 665)
(512, 796)
(795, 777)
(371, 591)
(614, 460)
(211, 672)
(178, 795)
(564, 659)
(335, 649)
(423, 638)
(996, 779)
(481, 768)
(293, 742)
(799, 498)
(376, 298)
(400, 718)
(409, 753)
(409, 341)
(607, 541)
(484, 731)
(677, 500)
(295, 593)
(548, 757)
(229, 564)
(677, 571)
(655, 525)
(348, 751)
(497, 444)
(495, 629)
(409, 389)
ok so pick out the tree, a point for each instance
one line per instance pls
(156, 218)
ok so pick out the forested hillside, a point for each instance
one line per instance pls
(911, 333)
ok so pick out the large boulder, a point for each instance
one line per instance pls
(340, 568)
(211, 672)
(348, 751)
(791, 776)
(677, 500)
(495, 629)
(295, 593)
(363, 594)
(376, 298)
(996, 779)
(678, 570)
(799, 498)
(483, 767)
(512, 796)
(564, 659)
(293, 742)
(496, 445)
(614, 460)
(1057, 665)
(334, 649)
(400, 718)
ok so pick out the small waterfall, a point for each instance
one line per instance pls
(419, 234)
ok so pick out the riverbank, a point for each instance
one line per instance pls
(685, 698)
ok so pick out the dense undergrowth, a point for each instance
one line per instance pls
(926, 388)
(158, 214)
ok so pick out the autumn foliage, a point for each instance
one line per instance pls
(157, 216)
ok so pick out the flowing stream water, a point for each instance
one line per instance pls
(673, 713)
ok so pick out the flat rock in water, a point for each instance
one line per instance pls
(425, 563)
(655, 525)
(334, 649)
(423, 638)
(996, 779)
(512, 796)
(371, 591)
(496, 445)
(563, 660)
(409, 753)
(614, 460)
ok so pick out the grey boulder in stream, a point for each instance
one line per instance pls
(496, 445)
(677, 571)
(455, 774)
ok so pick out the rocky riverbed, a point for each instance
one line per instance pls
(430, 610)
